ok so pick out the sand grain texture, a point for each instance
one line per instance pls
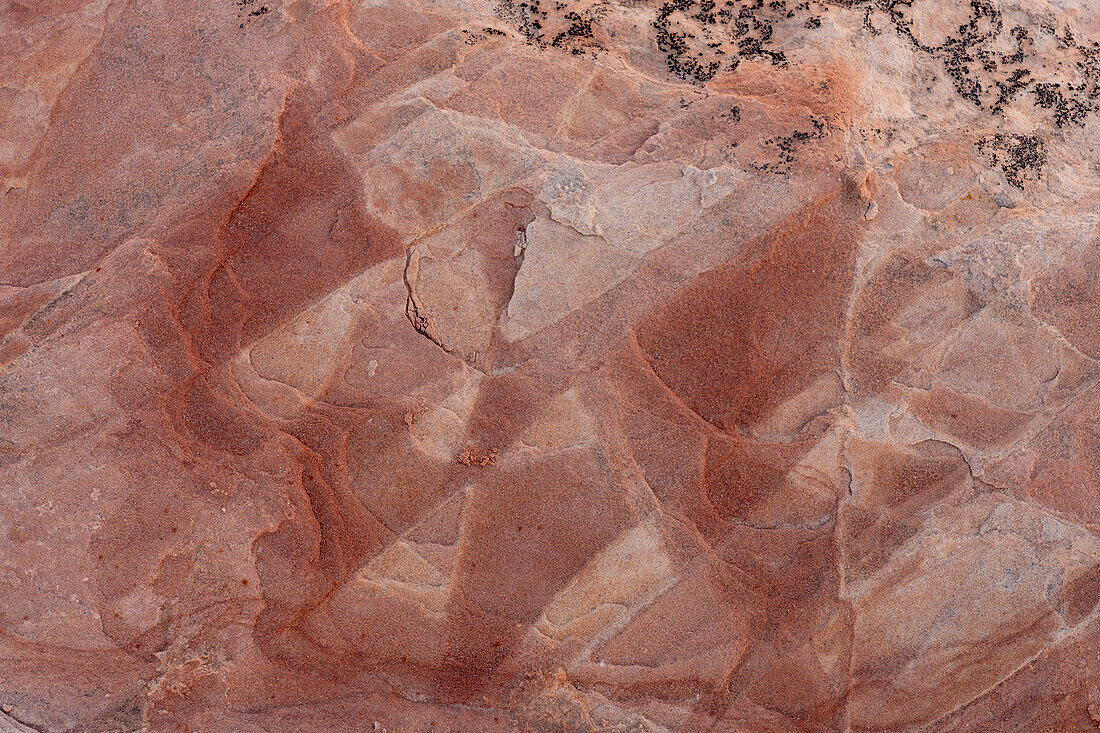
(551, 366)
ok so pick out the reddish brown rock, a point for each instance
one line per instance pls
(549, 366)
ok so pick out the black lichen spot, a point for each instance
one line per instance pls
(706, 12)
(733, 115)
(572, 31)
(1020, 157)
(699, 38)
(963, 55)
(673, 42)
(991, 66)
(471, 38)
(993, 80)
(246, 14)
(1068, 108)
(526, 17)
(580, 26)
(788, 145)
(1010, 87)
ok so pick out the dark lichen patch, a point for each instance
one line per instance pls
(526, 17)
(471, 38)
(249, 10)
(578, 36)
(675, 42)
(555, 25)
(989, 58)
(700, 37)
(1071, 104)
(1020, 157)
(996, 57)
(965, 57)
(733, 116)
(994, 80)
(787, 145)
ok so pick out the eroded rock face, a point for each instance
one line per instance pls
(590, 365)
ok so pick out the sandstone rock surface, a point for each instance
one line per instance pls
(550, 365)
